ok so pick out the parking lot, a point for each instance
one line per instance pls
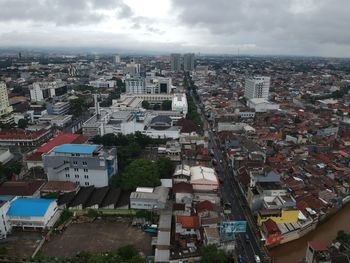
(21, 243)
(97, 237)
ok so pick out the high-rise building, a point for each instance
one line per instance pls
(116, 59)
(5, 107)
(175, 62)
(257, 87)
(189, 62)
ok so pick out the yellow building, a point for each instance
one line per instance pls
(279, 216)
(5, 107)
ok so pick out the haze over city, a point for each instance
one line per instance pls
(267, 27)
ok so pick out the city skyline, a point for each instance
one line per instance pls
(291, 27)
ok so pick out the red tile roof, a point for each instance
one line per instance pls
(21, 188)
(188, 221)
(59, 186)
(318, 246)
(204, 206)
(271, 227)
(22, 135)
(182, 187)
(62, 138)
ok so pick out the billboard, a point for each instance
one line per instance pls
(228, 229)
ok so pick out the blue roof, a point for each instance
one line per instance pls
(76, 148)
(29, 207)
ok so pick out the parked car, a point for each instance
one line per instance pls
(257, 259)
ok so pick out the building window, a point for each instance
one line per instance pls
(76, 169)
(86, 176)
(86, 183)
(75, 162)
(86, 170)
(67, 175)
(67, 168)
(77, 176)
(84, 163)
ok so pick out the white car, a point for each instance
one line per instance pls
(257, 259)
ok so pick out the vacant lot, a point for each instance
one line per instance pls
(97, 237)
(21, 243)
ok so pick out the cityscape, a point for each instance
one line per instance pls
(175, 137)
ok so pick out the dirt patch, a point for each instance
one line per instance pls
(97, 237)
(21, 243)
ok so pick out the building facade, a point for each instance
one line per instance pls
(5, 107)
(189, 62)
(257, 87)
(81, 163)
(175, 62)
(40, 91)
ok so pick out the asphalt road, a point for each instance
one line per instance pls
(247, 250)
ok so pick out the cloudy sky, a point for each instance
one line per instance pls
(296, 27)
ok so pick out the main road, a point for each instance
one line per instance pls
(247, 248)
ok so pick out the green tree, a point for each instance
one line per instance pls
(166, 105)
(78, 107)
(156, 106)
(146, 105)
(22, 123)
(166, 167)
(140, 172)
(211, 254)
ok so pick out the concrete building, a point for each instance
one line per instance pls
(40, 91)
(179, 103)
(32, 213)
(257, 87)
(5, 227)
(135, 86)
(262, 105)
(204, 179)
(5, 107)
(58, 108)
(117, 59)
(149, 198)
(317, 252)
(103, 83)
(175, 62)
(81, 163)
(188, 62)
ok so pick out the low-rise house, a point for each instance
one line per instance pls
(149, 198)
(183, 193)
(187, 225)
(32, 213)
(182, 173)
(9, 190)
(59, 187)
(211, 236)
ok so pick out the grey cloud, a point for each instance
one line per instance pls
(58, 12)
(282, 22)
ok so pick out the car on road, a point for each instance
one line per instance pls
(212, 152)
(257, 259)
(214, 161)
(246, 238)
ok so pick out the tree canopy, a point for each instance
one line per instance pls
(140, 173)
(146, 105)
(22, 123)
(166, 167)
(211, 254)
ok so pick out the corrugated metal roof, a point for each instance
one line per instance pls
(29, 207)
(76, 148)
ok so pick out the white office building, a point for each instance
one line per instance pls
(135, 86)
(40, 91)
(179, 103)
(5, 107)
(81, 163)
(257, 87)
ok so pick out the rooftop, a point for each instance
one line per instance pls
(29, 207)
(76, 148)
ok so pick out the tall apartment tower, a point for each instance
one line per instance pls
(175, 62)
(257, 87)
(189, 62)
(5, 107)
